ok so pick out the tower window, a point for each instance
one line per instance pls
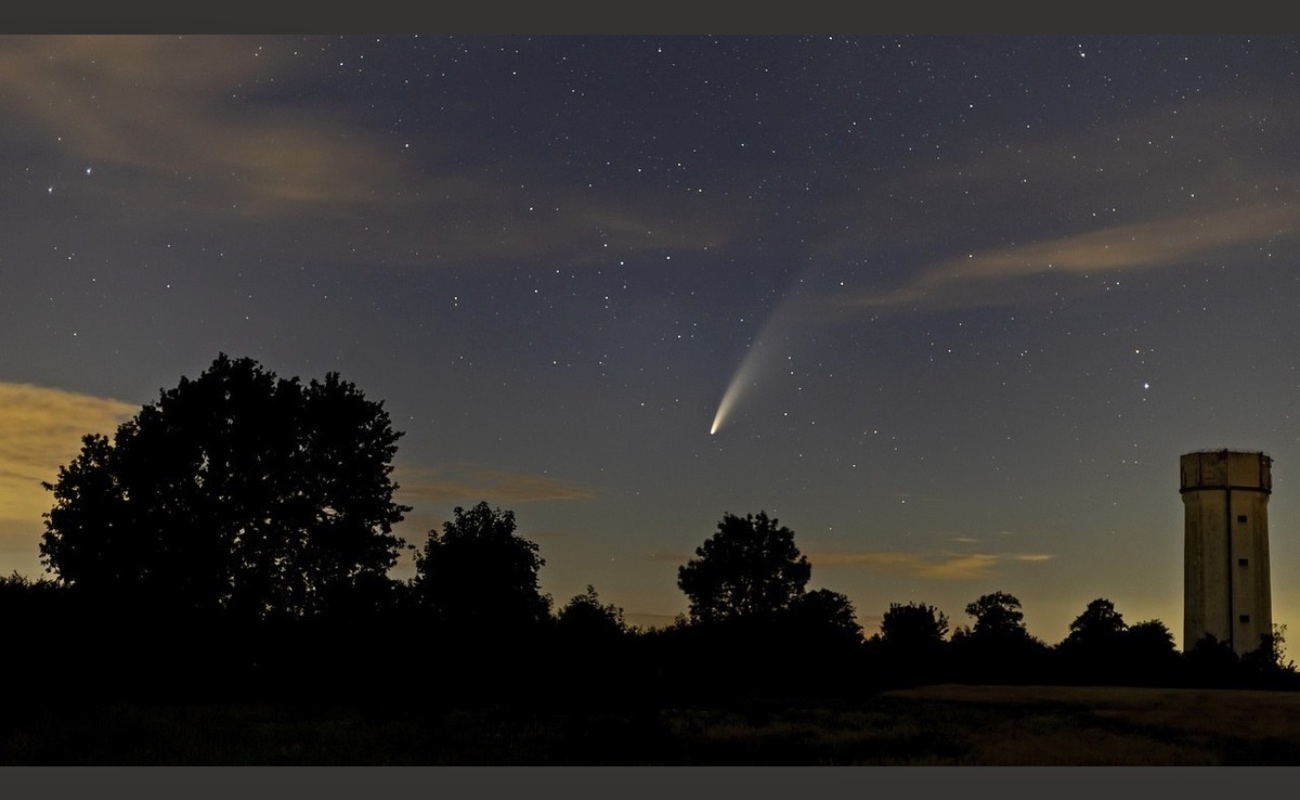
(1241, 517)
(1241, 562)
(1244, 618)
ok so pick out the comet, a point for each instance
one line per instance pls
(744, 378)
(757, 358)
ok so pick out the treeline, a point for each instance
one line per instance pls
(233, 541)
(393, 647)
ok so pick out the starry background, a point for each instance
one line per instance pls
(968, 298)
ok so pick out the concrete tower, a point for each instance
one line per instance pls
(1225, 580)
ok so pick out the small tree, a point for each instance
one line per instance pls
(479, 577)
(1212, 662)
(1150, 655)
(913, 626)
(585, 618)
(27, 605)
(592, 657)
(998, 647)
(1099, 625)
(997, 616)
(1096, 648)
(826, 614)
(1152, 637)
(749, 569)
(910, 649)
(1268, 661)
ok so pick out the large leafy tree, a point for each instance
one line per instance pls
(479, 576)
(749, 569)
(236, 491)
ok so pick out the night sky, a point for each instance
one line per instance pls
(954, 305)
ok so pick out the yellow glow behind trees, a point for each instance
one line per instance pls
(40, 431)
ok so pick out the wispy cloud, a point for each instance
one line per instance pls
(197, 126)
(1142, 188)
(473, 485)
(158, 108)
(483, 223)
(984, 277)
(40, 431)
(935, 566)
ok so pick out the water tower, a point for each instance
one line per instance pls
(1225, 565)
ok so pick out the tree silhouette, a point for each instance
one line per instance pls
(1152, 636)
(812, 648)
(825, 616)
(749, 569)
(914, 626)
(998, 647)
(1212, 662)
(1099, 625)
(46, 642)
(33, 611)
(585, 618)
(910, 649)
(592, 658)
(1267, 665)
(479, 577)
(234, 492)
(997, 617)
(1149, 652)
(1097, 647)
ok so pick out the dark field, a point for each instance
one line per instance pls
(940, 725)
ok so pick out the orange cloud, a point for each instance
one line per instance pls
(936, 566)
(419, 485)
(40, 431)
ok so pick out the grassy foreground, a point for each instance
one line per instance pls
(939, 725)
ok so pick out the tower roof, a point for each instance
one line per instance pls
(1246, 470)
